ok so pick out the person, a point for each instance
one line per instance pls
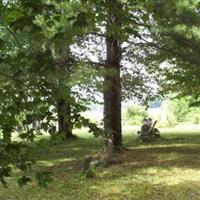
(145, 127)
(148, 132)
(149, 122)
(145, 121)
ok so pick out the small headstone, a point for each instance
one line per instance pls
(86, 163)
(107, 148)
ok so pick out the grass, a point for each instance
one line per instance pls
(166, 169)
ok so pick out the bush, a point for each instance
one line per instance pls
(171, 119)
(183, 112)
(194, 117)
(135, 114)
(196, 120)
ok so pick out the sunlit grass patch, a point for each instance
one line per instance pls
(168, 168)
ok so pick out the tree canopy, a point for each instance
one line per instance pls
(55, 55)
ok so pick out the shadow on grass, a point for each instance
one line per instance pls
(182, 191)
(62, 156)
(166, 138)
(172, 150)
(147, 190)
(166, 169)
(50, 150)
(163, 157)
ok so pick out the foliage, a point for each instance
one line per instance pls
(174, 33)
(180, 108)
(137, 83)
(183, 111)
(39, 63)
(135, 114)
(35, 74)
(171, 119)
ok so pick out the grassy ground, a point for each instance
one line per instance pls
(166, 169)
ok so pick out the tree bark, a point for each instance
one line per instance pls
(65, 64)
(112, 84)
(64, 122)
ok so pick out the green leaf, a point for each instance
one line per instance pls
(23, 180)
(43, 178)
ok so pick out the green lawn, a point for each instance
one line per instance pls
(166, 169)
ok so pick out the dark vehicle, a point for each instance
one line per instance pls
(147, 133)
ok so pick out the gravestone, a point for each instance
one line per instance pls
(106, 149)
(86, 163)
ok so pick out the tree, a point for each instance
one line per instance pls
(31, 35)
(118, 26)
(175, 43)
(112, 80)
(33, 76)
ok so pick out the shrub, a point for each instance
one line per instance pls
(135, 114)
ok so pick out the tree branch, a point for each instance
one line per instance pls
(6, 75)
(94, 63)
(97, 34)
(11, 33)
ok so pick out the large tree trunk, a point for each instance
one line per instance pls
(112, 91)
(64, 108)
(64, 122)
